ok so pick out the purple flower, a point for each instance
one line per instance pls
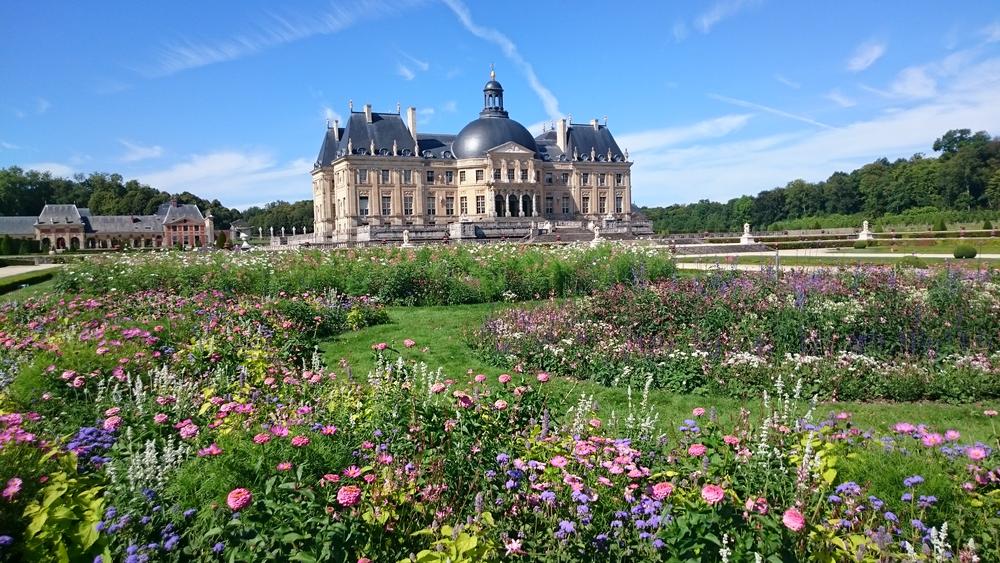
(912, 481)
(218, 548)
(6, 540)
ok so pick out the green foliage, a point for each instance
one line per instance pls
(987, 225)
(911, 262)
(860, 244)
(939, 225)
(221, 241)
(964, 251)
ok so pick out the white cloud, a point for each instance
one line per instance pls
(135, 152)
(449, 106)
(509, 49)
(670, 136)
(273, 31)
(42, 105)
(330, 115)
(54, 168)
(424, 66)
(865, 55)
(405, 72)
(914, 82)
(8, 146)
(680, 31)
(728, 169)
(424, 115)
(236, 178)
(991, 33)
(769, 109)
(841, 100)
(720, 11)
(787, 82)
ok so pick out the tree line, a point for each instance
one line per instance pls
(25, 192)
(963, 182)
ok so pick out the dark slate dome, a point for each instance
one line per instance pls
(493, 128)
(487, 132)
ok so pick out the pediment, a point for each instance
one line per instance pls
(510, 147)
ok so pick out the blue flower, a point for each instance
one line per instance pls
(6, 540)
(834, 499)
(567, 527)
(913, 481)
(849, 488)
(548, 496)
(502, 459)
(907, 497)
(218, 548)
(891, 517)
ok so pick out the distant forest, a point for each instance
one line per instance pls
(26, 192)
(960, 185)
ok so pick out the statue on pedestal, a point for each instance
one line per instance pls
(260, 232)
(746, 238)
(865, 234)
(597, 236)
(282, 231)
(272, 231)
(293, 230)
(406, 237)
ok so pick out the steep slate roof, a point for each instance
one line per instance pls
(17, 226)
(64, 214)
(581, 137)
(180, 213)
(125, 224)
(437, 143)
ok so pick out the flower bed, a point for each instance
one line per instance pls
(859, 334)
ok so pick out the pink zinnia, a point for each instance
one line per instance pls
(112, 423)
(731, 440)
(300, 441)
(438, 387)
(189, 431)
(543, 377)
(698, 411)
(13, 487)
(409, 343)
(214, 449)
(976, 453)
(990, 412)
(504, 378)
(112, 411)
(284, 466)
(262, 438)
(595, 423)
(756, 505)
(352, 471)
(239, 499)
(713, 494)
(349, 495)
(329, 430)
(559, 461)
(793, 519)
(500, 404)
(464, 400)
(696, 450)
(662, 490)
(480, 378)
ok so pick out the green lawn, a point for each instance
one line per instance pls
(930, 246)
(439, 333)
(833, 260)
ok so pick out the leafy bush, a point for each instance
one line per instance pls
(911, 261)
(939, 225)
(860, 244)
(987, 225)
(964, 251)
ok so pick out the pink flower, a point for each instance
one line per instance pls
(13, 487)
(559, 461)
(500, 404)
(438, 387)
(112, 423)
(349, 495)
(284, 466)
(380, 346)
(409, 343)
(595, 423)
(189, 431)
(843, 415)
(662, 490)
(713, 494)
(262, 438)
(976, 453)
(214, 449)
(731, 440)
(793, 519)
(990, 412)
(480, 378)
(279, 431)
(352, 472)
(698, 411)
(450, 424)
(331, 478)
(329, 430)
(543, 377)
(952, 435)
(931, 440)
(696, 450)
(112, 411)
(904, 427)
(238, 499)
(758, 505)
(300, 441)
(504, 378)
(463, 399)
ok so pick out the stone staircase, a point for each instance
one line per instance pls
(565, 234)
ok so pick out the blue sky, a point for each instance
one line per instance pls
(713, 99)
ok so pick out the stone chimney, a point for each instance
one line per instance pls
(561, 134)
(411, 122)
(593, 123)
(368, 113)
(336, 130)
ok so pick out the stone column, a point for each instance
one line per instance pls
(506, 203)
(534, 205)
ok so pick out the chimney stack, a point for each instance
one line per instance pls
(593, 123)
(561, 134)
(336, 130)
(368, 113)
(411, 122)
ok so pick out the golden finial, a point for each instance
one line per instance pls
(493, 74)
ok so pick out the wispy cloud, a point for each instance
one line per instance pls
(509, 49)
(865, 55)
(720, 11)
(135, 152)
(405, 71)
(42, 105)
(237, 178)
(769, 109)
(787, 82)
(55, 168)
(680, 31)
(424, 115)
(914, 82)
(991, 33)
(330, 115)
(670, 136)
(841, 100)
(424, 66)
(8, 146)
(449, 106)
(272, 31)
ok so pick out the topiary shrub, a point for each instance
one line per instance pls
(911, 262)
(940, 226)
(987, 226)
(964, 251)
(860, 244)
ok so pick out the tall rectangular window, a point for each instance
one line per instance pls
(602, 205)
(430, 176)
(385, 177)
(480, 204)
(407, 176)
(431, 207)
(463, 205)
(618, 179)
(601, 179)
(585, 204)
(496, 173)
(461, 176)
(618, 203)
(362, 175)
(363, 206)
(510, 174)
(565, 205)
(565, 177)
(386, 205)
(548, 177)
(449, 205)
(449, 176)
(549, 202)
(407, 205)
(479, 175)
(524, 174)
(585, 178)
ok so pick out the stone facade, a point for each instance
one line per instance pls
(378, 175)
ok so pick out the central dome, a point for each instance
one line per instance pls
(487, 132)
